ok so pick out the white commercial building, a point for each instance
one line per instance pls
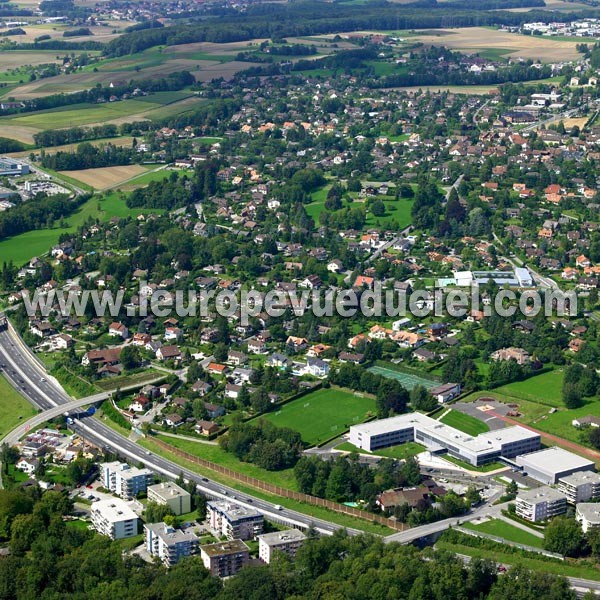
(169, 544)
(580, 487)
(588, 514)
(552, 464)
(436, 436)
(174, 496)
(125, 480)
(540, 504)
(234, 521)
(114, 518)
(283, 541)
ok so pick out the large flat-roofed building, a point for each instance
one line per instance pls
(234, 521)
(169, 544)
(114, 518)
(224, 559)
(283, 541)
(11, 167)
(588, 514)
(540, 504)
(437, 436)
(551, 464)
(174, 496)
(124, 480)
(580, 487)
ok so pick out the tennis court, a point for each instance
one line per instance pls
(408, 380)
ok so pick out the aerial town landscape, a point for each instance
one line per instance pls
(300, 299)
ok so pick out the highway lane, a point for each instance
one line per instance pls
(27, 376)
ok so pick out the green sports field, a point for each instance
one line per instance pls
(321, 415)
(463, 422)
(408, 380)
(545, 388)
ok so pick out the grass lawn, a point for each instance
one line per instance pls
(545, 388)
(113, 383)
(21, 248)
(217, 455)
(13, 407)
(395, 210)
(401, 451)
(464, 422)
(322, 414)
(507, 531)
(492, 466)
(566, 569)
(317, 512)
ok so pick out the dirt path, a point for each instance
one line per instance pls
(592, 454)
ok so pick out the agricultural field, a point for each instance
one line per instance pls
(482, 40)
(13, 408)
(124, 141)
(319, 415)
(82, 114)
(464, 422)
(106, 177)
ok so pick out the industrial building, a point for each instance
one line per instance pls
(234, 521)
(10, 167)
(174, 496)
(282, 541)
(169, 544)
(580, 487)
(540, 504)
(124, 480)
(552, 464)
(114, 518)
(438, 437)
(225, 559)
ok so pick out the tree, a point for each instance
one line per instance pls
(564, 535)
(595, 437)
(571, 395)
(130, 357)
(378, 208)
(155, 512)
(472, 496)
(421, 399)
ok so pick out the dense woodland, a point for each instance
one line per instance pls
(38, 213)
(88, 156)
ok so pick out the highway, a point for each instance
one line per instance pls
(25, 374)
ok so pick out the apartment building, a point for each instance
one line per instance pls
(580, 487)
(224, 559)
(125, 480)
(114, 518)
(540, 504)
(588, 514)
(282, 541)
(169, 544)
(234, 521)
(171, 494)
